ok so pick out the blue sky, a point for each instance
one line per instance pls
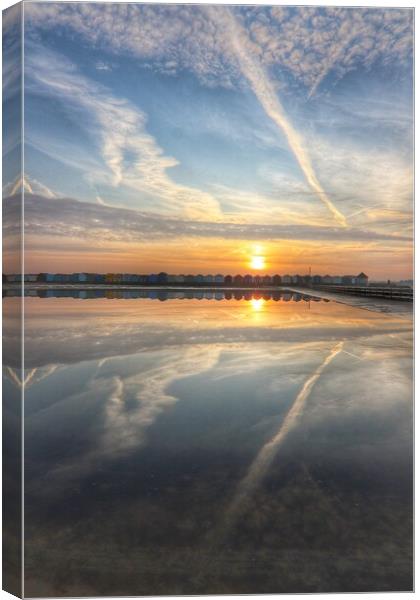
(259, 117)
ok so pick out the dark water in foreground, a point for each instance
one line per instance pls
(193, 447)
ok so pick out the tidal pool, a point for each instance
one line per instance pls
(206, 445)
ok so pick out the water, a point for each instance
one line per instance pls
(191, 446)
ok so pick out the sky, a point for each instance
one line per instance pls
(192, 139)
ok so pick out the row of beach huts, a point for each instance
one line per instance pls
(193, 280)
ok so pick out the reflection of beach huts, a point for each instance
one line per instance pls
(238, 295)
(29, 278)
(219, 296)
(208, 295)
(287, 296)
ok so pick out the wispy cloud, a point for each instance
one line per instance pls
(28, 184)
(69, 218)
(118, 128)
(266, 93)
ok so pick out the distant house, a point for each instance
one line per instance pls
(327, 279)
(276, 280)
(248, 280)
(337, 280)
(219, 279)
(286, 279)
(266, 280)
(238, 280)
(228, 280)
(362, 279)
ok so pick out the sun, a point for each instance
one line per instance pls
(257, 304)
(258, 262)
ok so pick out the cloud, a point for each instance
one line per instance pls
(308, 44)
(265, 92)
(118, 128)
(313, 43)
(383, 197)
(103, 66)
(30, 185)
(75, 220)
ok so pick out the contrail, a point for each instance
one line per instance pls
(266, 94)
(264, 458)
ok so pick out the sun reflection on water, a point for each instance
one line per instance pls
(257, 303)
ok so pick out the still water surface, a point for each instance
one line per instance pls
(200, 446)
